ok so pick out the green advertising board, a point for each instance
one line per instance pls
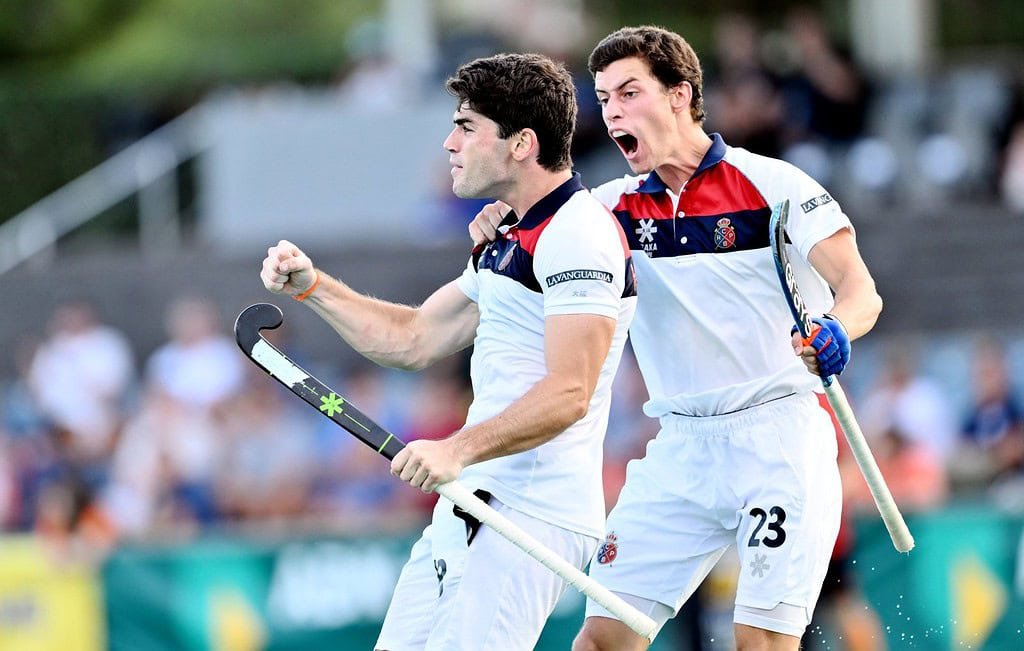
(234, 595)
(955, 590)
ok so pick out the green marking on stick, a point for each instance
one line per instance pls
(331, 404)
(357, 422)
(386, 441)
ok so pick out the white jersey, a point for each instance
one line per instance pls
(711, 333)
(567, 255)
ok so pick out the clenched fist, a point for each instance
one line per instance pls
(287, 270)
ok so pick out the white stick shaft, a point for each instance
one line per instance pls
(631, 617)
(891, 516)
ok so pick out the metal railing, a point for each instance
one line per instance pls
(147, 168)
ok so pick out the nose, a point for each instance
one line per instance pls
(449, 142)
(611, 110)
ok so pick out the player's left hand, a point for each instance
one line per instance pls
(484, 227)
(827, 350)
(427, 464)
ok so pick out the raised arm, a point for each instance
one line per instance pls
(575, 348)
(389, 334)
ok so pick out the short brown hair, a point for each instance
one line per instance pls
(523, 91)
(670, 58)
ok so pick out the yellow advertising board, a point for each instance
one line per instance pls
(46, 605)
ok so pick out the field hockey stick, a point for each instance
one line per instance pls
(891, 515)
(264, 316)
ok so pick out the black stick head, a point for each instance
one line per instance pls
(261, 316)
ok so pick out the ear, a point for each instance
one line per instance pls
(680, 96)
(524, 145)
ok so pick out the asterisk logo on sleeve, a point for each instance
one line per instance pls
(331, 404)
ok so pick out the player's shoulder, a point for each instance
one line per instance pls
(759, 167)
(583, 218)
(608, 193)
(774, 178)
(584, 211)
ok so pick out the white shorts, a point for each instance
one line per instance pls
(488, 594)
(764, 479)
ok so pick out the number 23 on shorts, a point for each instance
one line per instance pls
(772, 521)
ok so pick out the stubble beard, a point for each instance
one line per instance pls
(473, 186)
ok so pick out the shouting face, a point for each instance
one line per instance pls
(639, 112)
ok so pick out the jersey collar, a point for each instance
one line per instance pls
(653, 183)
(551, 202)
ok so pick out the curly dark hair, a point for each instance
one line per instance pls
(522, 91)
(670, 58)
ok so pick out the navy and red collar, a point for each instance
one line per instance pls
(714, 155)
(550, 203)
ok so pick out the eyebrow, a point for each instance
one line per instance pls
(619, 87)
(461, 121)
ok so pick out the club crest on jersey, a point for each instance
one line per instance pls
(609, 550)
(725, 234)
(507, 258)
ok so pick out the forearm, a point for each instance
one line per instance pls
(857, 306)
(381, 331)
(542, 413)
(857, 303)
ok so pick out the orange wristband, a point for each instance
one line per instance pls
(304, 295)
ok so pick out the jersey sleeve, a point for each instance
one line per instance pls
(580, 261)
(469, 281)
(814, 214)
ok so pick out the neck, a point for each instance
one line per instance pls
(533, 186)
(688, 152)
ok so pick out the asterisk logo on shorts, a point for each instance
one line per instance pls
(759, 566)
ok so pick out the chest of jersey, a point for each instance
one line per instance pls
(718, 211)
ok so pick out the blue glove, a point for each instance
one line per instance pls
(832, 344)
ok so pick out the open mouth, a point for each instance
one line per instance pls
(626, 142)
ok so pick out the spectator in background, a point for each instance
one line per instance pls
(828, 96)
(1011, 180)
(80, 378)
(197, 371)
(913, 471)
(744, 98)
(29, 451)
(269, 455)
(991, 444)
(910, 406)
(199, 366)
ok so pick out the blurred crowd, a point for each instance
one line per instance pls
(98, 446)
(795, 91)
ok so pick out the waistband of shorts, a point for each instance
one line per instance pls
(740, 417)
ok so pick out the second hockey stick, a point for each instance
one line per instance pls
(891, 515)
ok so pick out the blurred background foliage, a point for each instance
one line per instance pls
(80, 78)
